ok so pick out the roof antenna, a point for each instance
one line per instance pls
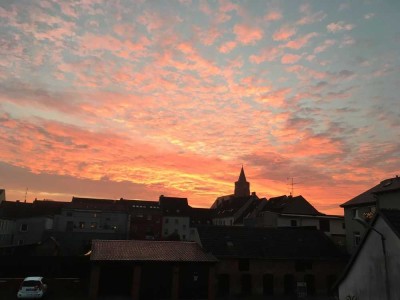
(292, 185)
(26, 192)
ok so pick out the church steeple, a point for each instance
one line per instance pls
(242, 187)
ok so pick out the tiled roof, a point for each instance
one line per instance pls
(135, 250)
(267, 243)
(291, 205)
(367, 197)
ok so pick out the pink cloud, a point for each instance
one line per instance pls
(290, 58)
(273, 15)
(227, 47)
(339, 26)
(247, 34)
(324, 46)
(300, 42)
(275, 98)
(269, 54)
(208, 36)
(284, 33)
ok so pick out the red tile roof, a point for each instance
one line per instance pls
(135, 250)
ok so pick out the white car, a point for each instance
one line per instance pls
(32, 287)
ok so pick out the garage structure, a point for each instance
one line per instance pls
(151, 270)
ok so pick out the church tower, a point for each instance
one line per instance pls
(242, 187)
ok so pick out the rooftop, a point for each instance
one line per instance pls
(291, 205)
(368, 197)
(135, 250)
(267, 243)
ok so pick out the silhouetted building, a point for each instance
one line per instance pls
(271, 261)
(289, 211)
(176, 218)
(2, 195)
(242, 187)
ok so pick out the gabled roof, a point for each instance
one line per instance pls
(174, 205)
(291, 205)
(392, 218)
(267, 243)
(368, 197)
(162, 251)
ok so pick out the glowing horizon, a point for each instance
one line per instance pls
(136, 99)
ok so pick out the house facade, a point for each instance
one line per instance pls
(374, 269)
(365, 206)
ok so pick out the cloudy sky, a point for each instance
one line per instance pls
(136, 99)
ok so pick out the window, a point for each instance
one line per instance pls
(166, 221)
(310, 280)
(184, 226)
(268, 284)
(293, 223)
(246, 284)
(176, 221)
(183, 237)
(244, 265)
(81, 225)
(289, 284)
(69, 213)
(303, 265)
(324, 225)
(93, 225)
(70, 226)
(223, 285)
(20, 242)
(357, 238)
(166, 232)
(344, 225)
(23, 228)
(149, 217)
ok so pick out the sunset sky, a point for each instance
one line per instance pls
(136, 99)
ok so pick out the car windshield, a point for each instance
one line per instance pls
(31, 283)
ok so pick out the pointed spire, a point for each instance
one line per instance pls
(242, 187)
(242, 177)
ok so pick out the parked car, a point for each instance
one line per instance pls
(33, 287)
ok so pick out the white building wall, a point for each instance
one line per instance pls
(175, 224)
(366, 278)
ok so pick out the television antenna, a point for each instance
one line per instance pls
(292, 184)
(26, 193)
